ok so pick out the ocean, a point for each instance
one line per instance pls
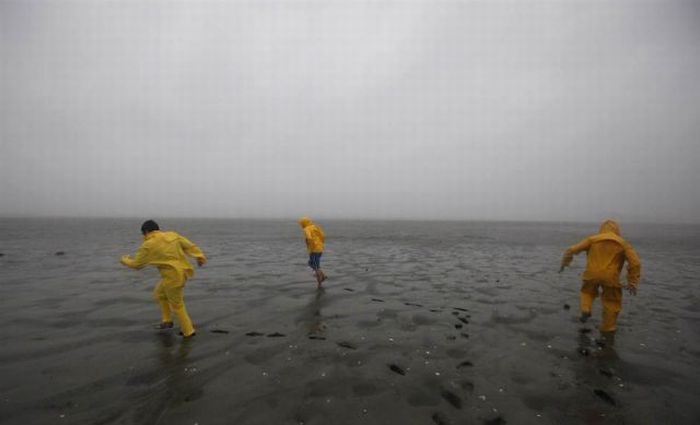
(418, 323)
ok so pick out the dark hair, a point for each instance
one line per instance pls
(149, 226)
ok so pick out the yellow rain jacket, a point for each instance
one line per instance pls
(313, 235)
(166, 250)
(607, 252)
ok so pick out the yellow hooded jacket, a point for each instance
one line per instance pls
(313, 235)
(165, 250)
(607, 252)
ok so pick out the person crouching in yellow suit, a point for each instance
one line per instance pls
(607, 253)
(166, 251)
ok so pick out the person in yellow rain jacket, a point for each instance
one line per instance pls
(166, 251)
(314, 237)
(607, 253)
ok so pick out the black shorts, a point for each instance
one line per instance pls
(315, 260)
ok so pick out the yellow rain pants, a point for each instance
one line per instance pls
(168, 293)
(313, 235)
(607, 252)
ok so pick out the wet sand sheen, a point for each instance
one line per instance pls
(458, 323)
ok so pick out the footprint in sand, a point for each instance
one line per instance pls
(348, 289)
(463, 320)
(607, 373)
(397, 369)
(451, 398)
(219, 331)
(275, 335)
(377, 300)
(605, 396)
(459, 326)
(459, 308)
(498, 420)
(322, 338)
(438, 419)
(253, 333)
(347, 345)
(465, 363)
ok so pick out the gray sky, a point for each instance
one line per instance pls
(562, 110)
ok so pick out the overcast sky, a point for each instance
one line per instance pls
(537, 110)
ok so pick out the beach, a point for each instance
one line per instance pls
(418, 323)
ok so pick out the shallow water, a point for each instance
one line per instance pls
(425, 323)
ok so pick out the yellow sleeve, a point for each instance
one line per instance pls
(308, 238)
(139, 261)
(573, 250)
(191, 249)
(634, 266)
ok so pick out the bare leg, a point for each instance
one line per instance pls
(319, 278)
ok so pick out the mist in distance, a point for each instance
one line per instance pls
(339, 109)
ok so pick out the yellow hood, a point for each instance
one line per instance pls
(610, 226)
(304, 222)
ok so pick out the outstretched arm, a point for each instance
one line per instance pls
(573, 250)
(139, 261)
(634, 269)
(193, 251)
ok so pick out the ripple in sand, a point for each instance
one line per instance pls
(364, 389)
(456, 353)
(419, 319)
(419, 397)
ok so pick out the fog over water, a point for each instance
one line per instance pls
(351, 109)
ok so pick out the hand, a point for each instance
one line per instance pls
(124, 260)
(631, 289)
(201, 261)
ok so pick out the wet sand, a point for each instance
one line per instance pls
(419, 323)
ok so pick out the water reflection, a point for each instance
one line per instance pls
(172, 383)
(311, 316)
